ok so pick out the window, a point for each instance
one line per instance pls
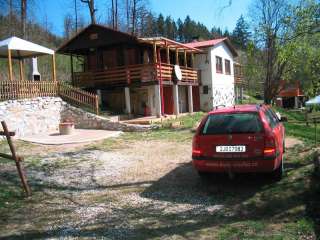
(205, 89)
(227, 67)
(271, 118)
(218, 64)
(232, 123)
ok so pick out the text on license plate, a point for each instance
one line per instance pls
(235, 148)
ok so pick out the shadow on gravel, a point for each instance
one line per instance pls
(246, 197)
(183, 185)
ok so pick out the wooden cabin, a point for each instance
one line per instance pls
(135, 76)
(290, 95)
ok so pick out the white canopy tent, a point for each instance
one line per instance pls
(17, 48)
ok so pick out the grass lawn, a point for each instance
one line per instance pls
(158, 195)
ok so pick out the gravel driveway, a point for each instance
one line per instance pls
(134, 190)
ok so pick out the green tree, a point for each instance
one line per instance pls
(241, 33)
(279, 27)
(160, 25)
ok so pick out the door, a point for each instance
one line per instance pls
(168, 99)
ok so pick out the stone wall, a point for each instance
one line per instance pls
(86, 120)
(38, 115)
(31, 116)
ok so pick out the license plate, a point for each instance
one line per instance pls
(231, 149)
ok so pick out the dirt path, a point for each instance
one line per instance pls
(292, 141)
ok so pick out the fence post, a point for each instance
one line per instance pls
(97, 104)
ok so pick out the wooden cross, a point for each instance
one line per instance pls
(14, 157)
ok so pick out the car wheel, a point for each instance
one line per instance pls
(278, 173)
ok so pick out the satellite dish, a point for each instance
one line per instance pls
(177, 72)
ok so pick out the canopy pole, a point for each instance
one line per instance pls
(54, 78)
(21, 70)
(10, 65)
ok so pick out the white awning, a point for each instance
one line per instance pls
(22, 49)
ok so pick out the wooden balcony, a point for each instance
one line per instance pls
(140, 73)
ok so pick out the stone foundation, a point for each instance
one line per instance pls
(39, 115)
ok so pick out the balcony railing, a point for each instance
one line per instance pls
(133, 74)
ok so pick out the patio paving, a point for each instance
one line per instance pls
(78, 136)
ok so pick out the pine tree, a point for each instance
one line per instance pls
(241, 34)
(160, 25)
(180, 35)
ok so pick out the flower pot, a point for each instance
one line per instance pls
(66, 128)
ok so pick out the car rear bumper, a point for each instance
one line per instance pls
(261, 165)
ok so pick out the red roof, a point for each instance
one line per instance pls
(290, 90)
(213, 42)
(208, 43)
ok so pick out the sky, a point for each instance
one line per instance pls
(209, 12)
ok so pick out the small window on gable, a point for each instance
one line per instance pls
(205, 89)
(227, 66)
(218, 64)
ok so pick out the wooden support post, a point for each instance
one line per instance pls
(168, 55)
(190, 99)
(72, 71)
(192, 60)
(10, 65)
(21, 70)
(127, 100)
(155, 52)
(16, 158)
(175, 94)
(177, 56)
(185, 58)
(54, 77)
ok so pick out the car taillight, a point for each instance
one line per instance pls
(196, 151)
(270, 147)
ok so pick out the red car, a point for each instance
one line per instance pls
(244, 138)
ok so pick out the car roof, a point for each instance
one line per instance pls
(238, 108)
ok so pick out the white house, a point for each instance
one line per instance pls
(216, 63)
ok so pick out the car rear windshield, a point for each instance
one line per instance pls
(233, 123)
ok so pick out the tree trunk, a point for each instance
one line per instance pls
(11, 17)
(76, 15)
(116, 14)
(92, 12)
(128, 14)
(112, 12)
(134, 13)
(23, 18)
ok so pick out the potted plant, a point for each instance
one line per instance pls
(66, 127)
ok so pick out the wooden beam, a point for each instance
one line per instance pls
(2, 133)
(54, 76)
(16, 158)
(177, 56)
(10, 65)
(155, 52)
(168, 55)
(185, 59)
(21, 70)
